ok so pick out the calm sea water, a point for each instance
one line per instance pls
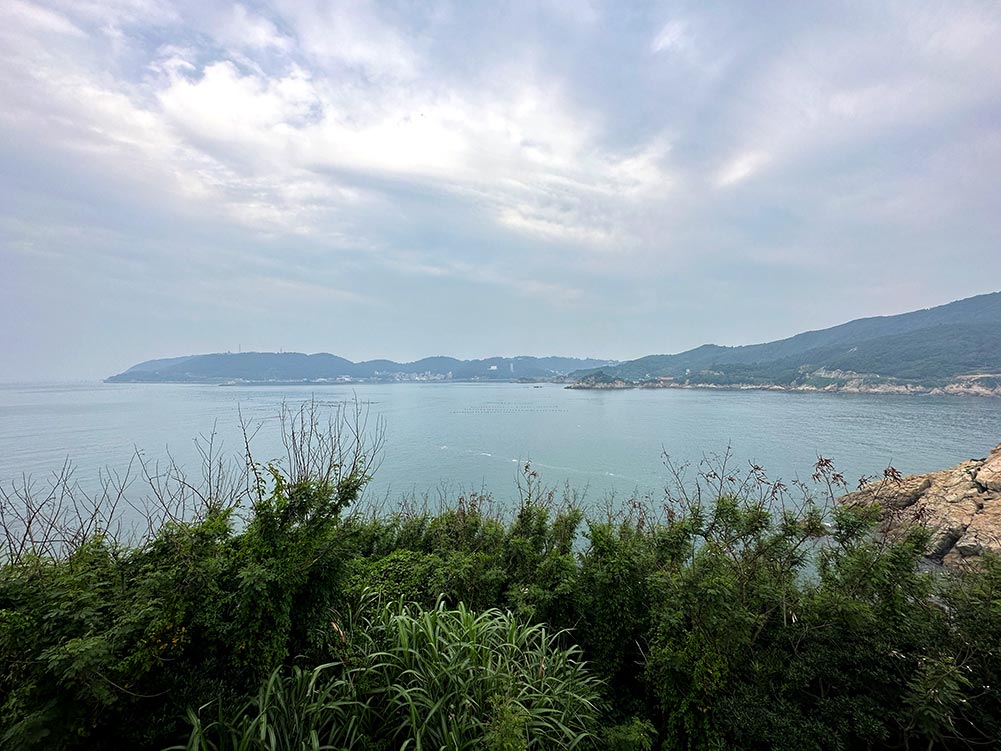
(458, 437)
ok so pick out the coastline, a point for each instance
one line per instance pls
(965, 388)
(951, 389)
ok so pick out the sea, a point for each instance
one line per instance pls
(440, 440)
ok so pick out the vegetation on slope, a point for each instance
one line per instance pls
(261, 612)
(438, 677)
(296, 366)
(926, 347)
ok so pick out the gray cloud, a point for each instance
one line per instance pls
(380, 179)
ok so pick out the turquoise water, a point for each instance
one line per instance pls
(447, 438)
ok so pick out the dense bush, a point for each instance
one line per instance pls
(433, 678)
(259, 614)
(456, 679)
(106, 645)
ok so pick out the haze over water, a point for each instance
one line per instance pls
(476, 436)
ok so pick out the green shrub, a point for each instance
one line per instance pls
(737, 620)
(402, 575)
(973, 607)
(780, 632)
(435, 678)
(634, 735)
(540, 562)
(105, 646)
(302, 710)
(450, 678)
(612, 600)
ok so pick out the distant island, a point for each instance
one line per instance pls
(295, 368)
(949, 349)
(953, 348)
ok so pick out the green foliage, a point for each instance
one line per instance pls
(613, 595)
(405, 575)
(635, 735)
(468, 555)
(973, 607)
(926, 347)
(539, 561)
(775, 635)
(108, 645)
(201, 610)
(449, 678)
(306, 711)
(435, 678)
(732, 617)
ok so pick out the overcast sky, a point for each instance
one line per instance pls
(415, 178)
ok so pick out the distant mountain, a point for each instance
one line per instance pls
(954, 347)
(295, 367)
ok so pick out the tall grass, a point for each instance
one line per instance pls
(305, 710)
(423, 679)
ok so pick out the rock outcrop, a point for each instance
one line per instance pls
(961, 507)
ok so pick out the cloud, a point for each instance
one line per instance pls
(41, 19)
(221, 129)
(672, 36)
(567, 157)
(512, 281)
(222, 105)
(740, 168)
(356, 36)
(240, 28)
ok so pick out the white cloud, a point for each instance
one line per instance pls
(261, 145)
(241, 28)
(354, 35)
(41, 19)
(562, 225)
(672, 36)
(352, 94)
(120, 13)
(872, 75)
(223, 105)
(741, 168)
(545, 144)
(515, 281)
(516, 146)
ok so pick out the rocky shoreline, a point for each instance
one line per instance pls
(960, 506)
(959, 388)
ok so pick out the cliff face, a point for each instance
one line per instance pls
(961, 506)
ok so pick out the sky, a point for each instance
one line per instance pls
(405, 179)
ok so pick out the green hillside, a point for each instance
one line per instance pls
(929, 348)
(295, 367)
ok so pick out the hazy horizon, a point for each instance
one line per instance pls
(398, 181)
(585, 356)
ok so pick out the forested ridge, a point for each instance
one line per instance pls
(926, 348)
